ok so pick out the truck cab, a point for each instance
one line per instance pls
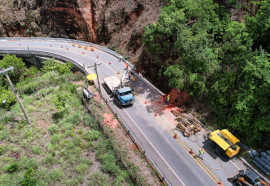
(122, 94)
(125, 96)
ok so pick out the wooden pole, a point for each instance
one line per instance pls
(98, 79)
(18, 99)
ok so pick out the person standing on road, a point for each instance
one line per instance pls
(201, 152)
(168, 99)
(127, 65)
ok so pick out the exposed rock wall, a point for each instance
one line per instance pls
(118, 24)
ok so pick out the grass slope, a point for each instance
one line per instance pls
(63, 146)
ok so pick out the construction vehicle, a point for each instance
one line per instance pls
(224, 143)
(249, 178)
(122, 93)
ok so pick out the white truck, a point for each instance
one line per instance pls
(122, 94)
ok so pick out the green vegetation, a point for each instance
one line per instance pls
(225, 63)
(64, 145)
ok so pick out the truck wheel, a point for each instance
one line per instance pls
(239, 183)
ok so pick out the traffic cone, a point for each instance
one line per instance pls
(97, 56)
(175, 136)
(118, 72)
(110, 63)
(50, 45)
(67, 48)
(83, 52)
(145, 102)
(219, 182)
(61, 46)
(20, 44)
(155, 114)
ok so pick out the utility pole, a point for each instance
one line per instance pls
(15, 91)
(98, 79)
(97, 75)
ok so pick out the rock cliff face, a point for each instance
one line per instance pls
(118, 24)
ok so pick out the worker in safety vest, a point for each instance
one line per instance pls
(168, 99)
(126, 65)
(201, 152)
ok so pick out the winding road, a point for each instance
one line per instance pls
(170, 155)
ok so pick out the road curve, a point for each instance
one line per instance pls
(172, 159)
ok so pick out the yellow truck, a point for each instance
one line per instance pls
(225, 143)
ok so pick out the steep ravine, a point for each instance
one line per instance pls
(116, 24)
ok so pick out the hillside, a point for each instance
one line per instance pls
(118, 24)
(65, 144)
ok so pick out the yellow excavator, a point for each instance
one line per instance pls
(247, 178)
(224, 143)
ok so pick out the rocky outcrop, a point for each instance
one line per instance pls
(119, 24)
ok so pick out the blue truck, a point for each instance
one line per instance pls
(122, 94)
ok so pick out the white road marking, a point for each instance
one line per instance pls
(154, 148)
(235, 165)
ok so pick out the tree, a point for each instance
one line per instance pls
(19, 66)
(250, 112)
(259, 25)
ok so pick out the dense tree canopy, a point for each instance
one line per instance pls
(199, 48)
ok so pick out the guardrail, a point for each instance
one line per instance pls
(42, 54)
(104, 49)
(81, 68)
(138, 144)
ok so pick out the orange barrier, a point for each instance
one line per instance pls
(73, 44)
(79, 46)
(85, 48)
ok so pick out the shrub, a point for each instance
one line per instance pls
(55, 176)
(75, 119)
(48, 160)
(80, 131)
(82, 168)
(13, 167)
(109, 164)
(91, 135)
(29, 178)
(1, 150)
(51, 147)
(51, 65)
(37, 150)
(55, 139)
(53, 129)
(32, 163)
(58, 115)
(91, 122)
(97, 178)
(7, 98)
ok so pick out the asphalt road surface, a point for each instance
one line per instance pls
(170, 155)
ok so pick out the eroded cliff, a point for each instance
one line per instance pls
(117, 24)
